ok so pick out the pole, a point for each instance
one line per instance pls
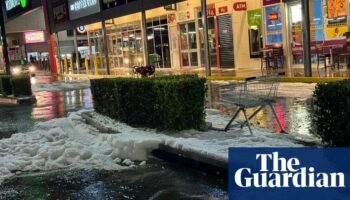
(58, 49)
(144, 38)
(306, 38)
(77, 58)
(4, 44)
(206, 42)
(105, 46)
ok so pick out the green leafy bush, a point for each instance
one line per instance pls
(331, 113)
(21, 86)
(5, 85)
(169, 102)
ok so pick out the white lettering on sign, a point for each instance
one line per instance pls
(10, 4)
(279, 172)
(82, 4)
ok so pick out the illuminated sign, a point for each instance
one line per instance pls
(273, 16)
(81, 29)
(34, 37)
(82, 8)
(240, 6)
(14, 7)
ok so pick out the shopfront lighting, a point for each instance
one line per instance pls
(126, 61)
(139, 59)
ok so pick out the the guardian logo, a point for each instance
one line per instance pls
(278, 172)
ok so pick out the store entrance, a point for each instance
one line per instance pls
(212, 35)
(189, 52)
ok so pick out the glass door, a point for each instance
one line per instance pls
(189, 52)
(212, 33)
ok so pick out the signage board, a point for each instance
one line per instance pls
(223, 10)
(34, 37)
(240, 6)
(60, 12)
(82, 8)
(270, 2)
(16, 7)
(254, 17)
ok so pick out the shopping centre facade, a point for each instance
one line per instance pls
(170, 33)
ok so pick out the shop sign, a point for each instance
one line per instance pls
(254, 17)
(34, 37)
(170, 7)
(270, 2)
(240, 6)
(211, 12)
(223, 10)
(82, 8)
(273, 16)
(60, 13)
(14, 7)
(172, 18)
(185, 15)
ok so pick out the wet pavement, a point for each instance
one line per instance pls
(156, 180)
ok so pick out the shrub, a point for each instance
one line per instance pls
(171, 102)
(331, 113)
(5, 85)
(21, 86)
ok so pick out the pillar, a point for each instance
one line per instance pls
(206, 42)
(306, 38)
(144, 38)
(4, 44)
(77, 59)
(105, 47)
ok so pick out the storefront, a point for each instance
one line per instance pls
(175, 37)
(283, 26)
(27, 40)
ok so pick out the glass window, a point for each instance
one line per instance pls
(185, 60)
(194, 59)
(184, 38)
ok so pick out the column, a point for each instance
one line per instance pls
(144, 38)
(306, 38)
(77, 58)
(4, 44)
(58, 53)
(206, 42)
(105, 47)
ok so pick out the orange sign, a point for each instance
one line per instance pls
(337, 8)
(273, 16)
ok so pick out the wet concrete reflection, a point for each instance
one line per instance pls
(294, 113)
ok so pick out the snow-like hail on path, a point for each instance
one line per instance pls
(71, 143)
(61, 86)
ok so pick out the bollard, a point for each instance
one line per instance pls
(96, 64)
(87, 65)
(65, 63)
(71, 64)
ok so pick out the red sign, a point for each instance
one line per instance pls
(270, 2)
(223, 10)
(211, 12)
(273, 17)
(240, 6)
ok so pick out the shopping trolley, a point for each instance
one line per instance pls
(253, 92)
